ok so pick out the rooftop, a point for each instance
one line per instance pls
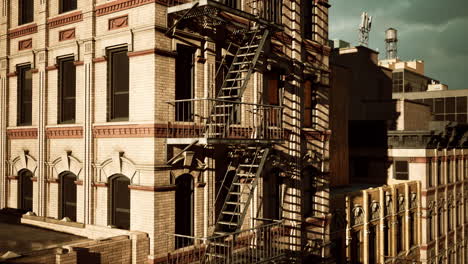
(21, 239)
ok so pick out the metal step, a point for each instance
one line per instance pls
(235, 80)
(245, 54)
(227, 223)
(249, 165)
(235, 203)
(230, 213)
(249, 47)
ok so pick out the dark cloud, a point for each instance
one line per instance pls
(430, 30)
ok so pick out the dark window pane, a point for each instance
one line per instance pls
(439, 106)
(461, 104)
(26, 11)
(184, 207)
(185, 82)
(450, 105)
(24, 95)
(401, 170)
(120, 198)
(450, 117)
(68, 196)
(67, 5)
(308, 17)
(439, 117)
(119, 84)
(25, 190)
(67, 93)
(430, 103)
(461, 118)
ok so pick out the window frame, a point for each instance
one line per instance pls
(61, 88)
(111, 112)
(313, 104)
(22, 70)
(396, 173)
(22, 17)
(62, 8)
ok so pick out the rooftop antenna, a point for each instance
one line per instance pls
(391, 41)
(364, 29)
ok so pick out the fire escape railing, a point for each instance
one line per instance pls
(260, 244)
(224, 119)
(269, 10)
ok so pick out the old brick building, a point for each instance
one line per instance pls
(178, 119)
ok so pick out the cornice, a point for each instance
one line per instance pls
(65, 19)
(22, 133)
(22, 31)
(64, 132)
(119, 5)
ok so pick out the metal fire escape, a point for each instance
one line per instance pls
(250, 151)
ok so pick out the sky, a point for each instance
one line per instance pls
(434, 31)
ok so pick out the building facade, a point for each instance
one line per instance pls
(177, 119)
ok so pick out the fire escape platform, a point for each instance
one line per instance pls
(217, 9)
(222, 141)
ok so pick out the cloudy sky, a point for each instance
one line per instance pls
(432, 30)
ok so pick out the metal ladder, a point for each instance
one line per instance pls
(235, 82)
(237, 201)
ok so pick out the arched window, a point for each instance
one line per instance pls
(25, 190)
(184, 205)
(273, 194)
(309, 180)
(68, 196)
(356, 248)
(119, 195)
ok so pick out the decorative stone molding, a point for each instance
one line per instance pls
(118, 22)
(79, 182)
(419, 160)
(25, 44)
(67, 34)
(357, 216)
(78, 63)
(163, 188)
(100, 184)
(151, 130)
(22, 133)
(51, 67)
(64, 132)
(117, 6)
(65, 19)
(12, 74)
(22, 31)
(166, 53)
(12, 177)
(64, 163)
(23, 161)
(117, 164)
(141, 53)
(100, 59)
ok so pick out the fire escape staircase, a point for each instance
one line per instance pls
(250, 163)
(235, 82)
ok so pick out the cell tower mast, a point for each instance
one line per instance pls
(391, 41)
(364, 29)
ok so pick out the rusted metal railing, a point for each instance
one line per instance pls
(223, 119)
(264, 243)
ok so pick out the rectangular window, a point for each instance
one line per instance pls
(430, 179)
(310, 103)
(185, 83)
(448, 164)
(401, 170)
(439, 172)
(26, 11)
(274, 98)
(67, 5)
(118, 82)
(67, 90)
(24, 95)
(308, 17)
